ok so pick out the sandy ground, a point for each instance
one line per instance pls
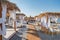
(32, 33)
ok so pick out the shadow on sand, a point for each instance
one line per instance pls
(33, 32)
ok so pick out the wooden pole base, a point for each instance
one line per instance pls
(15, 25)
(0, 37)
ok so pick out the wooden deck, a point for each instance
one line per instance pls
(32, 33)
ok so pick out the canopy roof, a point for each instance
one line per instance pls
(50, 14)
(20, 14)
(10, 5)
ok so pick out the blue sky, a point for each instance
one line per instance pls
(35, 7)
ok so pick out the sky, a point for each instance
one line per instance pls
(35, 7)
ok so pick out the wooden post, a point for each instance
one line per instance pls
(15, 25)
(0, 37)
(1, 29)
(14, 20)
(46, 18)
(47, 22)
(0, 17)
